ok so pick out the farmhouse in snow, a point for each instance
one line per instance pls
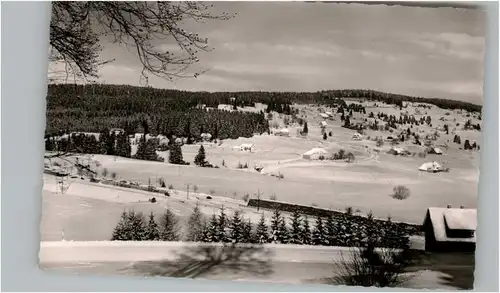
(357, 136)
(450, 229)
(323, 124)
(315, 154)
(324, 115)
(247, 147)
(432, 167)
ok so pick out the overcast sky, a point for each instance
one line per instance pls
(292, 46)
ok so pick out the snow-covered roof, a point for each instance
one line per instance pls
(315, 151)
(443, 219)
(328, 113)
(357, 135)
(438, 150)
(323, 115)
(429, 165)
(323, 123)
(398, 149)
(247, 145)
(461, 219)
(224, 107)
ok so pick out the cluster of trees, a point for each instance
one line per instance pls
(191, 99)
(283, 108)
(241, 103)
(356, 108)
(396, 99)
(134, 227)
(467, 144)
(329, 231)
(146, 150)
(163, 111)
(90, 108)
(468, 125)
(106, 143)
(342, 155)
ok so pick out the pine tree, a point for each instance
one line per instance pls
(199, 160)
(204, 232)
(305, 130)
(318, 234)
(284, 236)
(236, 228)
(195, 225)
(49, 144)
(212, 230)
(169, 227)
(146, 150)
(138, 227)
(222, 224)
(92, 145)
(467, 145)
(296, 228)
(261, 231)
(247, 235)
(306, 232)
(347, 122)
(141, 148)
(331, 231)
(110, 144)
(104, 137)
(123, 147)
(278, 228)
(175, 154)
(152, 231)
(123, 230)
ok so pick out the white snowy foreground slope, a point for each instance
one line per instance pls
(272, 263)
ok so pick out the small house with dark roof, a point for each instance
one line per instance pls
(450, 229)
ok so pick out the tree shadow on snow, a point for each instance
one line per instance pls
(210, 261)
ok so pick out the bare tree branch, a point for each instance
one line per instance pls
(77, 27)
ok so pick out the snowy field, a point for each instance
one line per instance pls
(364, 185)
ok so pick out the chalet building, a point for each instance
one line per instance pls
(315, 154)
(450, 229)
(116, 131)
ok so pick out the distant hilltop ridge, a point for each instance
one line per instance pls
(73, 91)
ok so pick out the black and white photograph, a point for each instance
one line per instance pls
(333, 143)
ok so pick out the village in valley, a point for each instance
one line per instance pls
(347, 164)
(341, 149)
